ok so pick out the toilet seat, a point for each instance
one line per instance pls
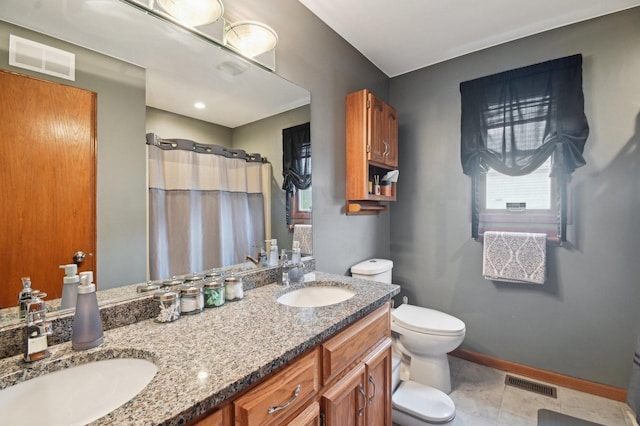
(423, 402)
(425, 320)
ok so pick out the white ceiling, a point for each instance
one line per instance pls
(400, 36)
(180, 67)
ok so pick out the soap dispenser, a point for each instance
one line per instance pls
(69, 286)
(87, 326)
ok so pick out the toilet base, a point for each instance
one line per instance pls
(403, 419)
(431, 371)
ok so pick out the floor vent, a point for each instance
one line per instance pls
(530, 386)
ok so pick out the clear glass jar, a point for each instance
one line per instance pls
(214, 294)
(233, 288)
(173, 284)
(167, 306)
(149, 286)
(191, 300)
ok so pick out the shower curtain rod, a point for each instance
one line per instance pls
(189, 145)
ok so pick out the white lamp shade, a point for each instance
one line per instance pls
(193, 12)
(251, 38)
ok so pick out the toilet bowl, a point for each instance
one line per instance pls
(422, 338)
(426, 336)
(415, 404)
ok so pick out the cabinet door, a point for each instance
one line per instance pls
(378, 129)
(378, 372)
(345, 402)
(390, 139)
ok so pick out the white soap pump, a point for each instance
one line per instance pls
(70, 286)
(87, 330)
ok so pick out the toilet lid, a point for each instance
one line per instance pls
(424, 402)
(424, 320)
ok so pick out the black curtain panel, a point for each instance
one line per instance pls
(296, 160)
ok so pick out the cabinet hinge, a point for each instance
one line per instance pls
(368, 103)
(322, 419)
(368, 148)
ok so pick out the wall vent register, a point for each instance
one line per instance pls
(28, 54)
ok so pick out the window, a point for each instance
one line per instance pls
(522, 135)
(301, 206)
(518, 193)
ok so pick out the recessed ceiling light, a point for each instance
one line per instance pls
(199, 105)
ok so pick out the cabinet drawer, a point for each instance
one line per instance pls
(349, 345)
(282, 394)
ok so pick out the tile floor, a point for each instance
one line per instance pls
(482, 399)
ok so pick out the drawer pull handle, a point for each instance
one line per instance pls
(364, 397)
(373, 382)
(276, 408)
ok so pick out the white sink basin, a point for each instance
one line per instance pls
(315, 296)
(76, 395)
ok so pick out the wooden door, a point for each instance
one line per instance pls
(378, 372)
(47, 182)
(344, 404)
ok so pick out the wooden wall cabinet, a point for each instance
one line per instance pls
(372, 150)
(345, 381)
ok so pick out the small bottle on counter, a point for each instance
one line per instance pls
(167, 306)
(191, 300)
(214, 293)
(233, 288)
(25, 296)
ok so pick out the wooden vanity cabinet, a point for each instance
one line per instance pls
(344, 381)
(281, 395)
(372, 150)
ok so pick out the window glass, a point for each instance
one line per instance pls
(533, 189)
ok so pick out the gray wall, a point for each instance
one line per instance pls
(584, 321)
(265, 136)
(121, 180)
(313, 56)
(168, 125)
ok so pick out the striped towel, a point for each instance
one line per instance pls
(517, 257)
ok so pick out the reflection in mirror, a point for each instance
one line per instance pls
(250, 108)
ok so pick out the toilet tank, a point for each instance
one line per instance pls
(373, 269)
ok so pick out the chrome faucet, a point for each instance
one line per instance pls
(292, 270)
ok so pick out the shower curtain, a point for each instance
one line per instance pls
(206, 206)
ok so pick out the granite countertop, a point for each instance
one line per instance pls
(205, 359)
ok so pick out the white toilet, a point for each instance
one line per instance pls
(422, 339)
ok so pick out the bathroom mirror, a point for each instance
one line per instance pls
(97, 24)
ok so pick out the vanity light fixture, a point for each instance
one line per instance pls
(250, 38)
(193, 12)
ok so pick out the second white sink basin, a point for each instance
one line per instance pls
(316, 296)
(76, 395)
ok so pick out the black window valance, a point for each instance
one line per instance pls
(513, 121)
(296, 161)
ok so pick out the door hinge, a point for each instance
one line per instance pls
(368, 103)
(323, 420)
(368, 148)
